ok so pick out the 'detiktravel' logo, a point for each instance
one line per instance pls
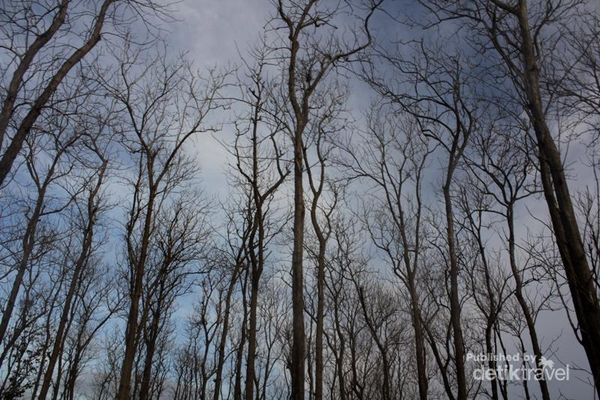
(516, 367)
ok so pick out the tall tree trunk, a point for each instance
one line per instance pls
(28, 243)
(316, 187)
(415, 306)
(150, 351)
(299, 341)
(131, 332)
(237, 388)
(381, 346)
(562, 214)
(523, 302)
(340, 358)
(224, 333)
(320, 321)
(252, 324)
(457, 336)
(420, 354)
(92, 210)
(27, 246)
(492, 316)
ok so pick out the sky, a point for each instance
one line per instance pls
(215, 33)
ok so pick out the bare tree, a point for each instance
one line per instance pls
(236, 241)
(442, 102)
(262, 171)
(163, 105)
(58, 145)
(181, 242)
(504, 173)
(308, 61)
(488, 281)
(519, 33)
(320, 141)
(391, 158)
(45, 42)
(93, 207)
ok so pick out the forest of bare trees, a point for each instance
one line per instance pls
(407, 202)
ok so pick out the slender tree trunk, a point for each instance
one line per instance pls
(237, 389)
(342, 349)
(491, 363)
(257, 256)
(150, 350)
(47, 340)
(422, 380)
(224, 333)
(564, 222)
(131, 332)
(299, 340)
(458, 341)
(340, 371)
(80, 264)
(250, 359)
(59, 339)
(71, 379)
(59, 375)
(28, 243)
(320, 321)
(503, 384)
(124, 390)
(415, 307)
(523, 302)
(322, 238)
(492, 317)
(382, 347)
(441, 365)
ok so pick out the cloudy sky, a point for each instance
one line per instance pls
(214, 33)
